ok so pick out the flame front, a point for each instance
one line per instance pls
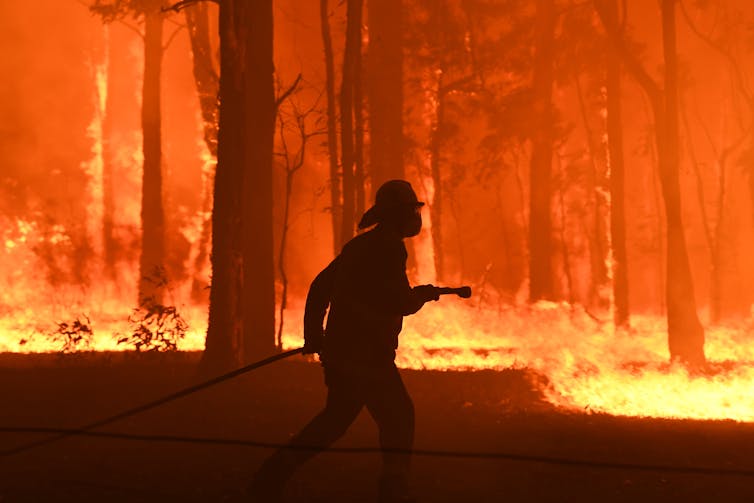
(588, 365)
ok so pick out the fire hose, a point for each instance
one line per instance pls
(151, 405)
(463, 292)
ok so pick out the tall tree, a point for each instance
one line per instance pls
(151, 262)
(207, 83)
(452, 65)
(259, 249)
(348, 105)
(242, 303)
(617, 178)
(685, 332)
(540, 225)
(336, 211)
(109, 245)
(385, 91)
(152, 212)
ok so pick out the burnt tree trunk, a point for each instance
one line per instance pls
(225, 330)
(109, 245)
(242, 304)
(685, 332)
(598, 241)
(540, 224)
(332, 130)
(358, 122)
(439, 41)
(385, 91)
(435, 210)
(347, 93)
(207, 87)
(151, 264)
(259, 130)
(617, 181)
(205, 76)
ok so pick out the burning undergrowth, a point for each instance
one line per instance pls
(580, 362)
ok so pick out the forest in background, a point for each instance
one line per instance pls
(498, 112)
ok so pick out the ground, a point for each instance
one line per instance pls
(456, 411)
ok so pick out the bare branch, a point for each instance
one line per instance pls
(132, 28)
(734, 65)
(125, 23)
(172, 37)
(287, 93)
(177, 7)
(637, 70)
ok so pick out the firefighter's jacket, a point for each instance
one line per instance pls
(368, 294)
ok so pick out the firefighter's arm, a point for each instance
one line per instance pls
(317, 300)
(400, 297)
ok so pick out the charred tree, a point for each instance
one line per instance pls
(347, 127)
(293, 122)
(241, 311)
(336, 211)
(385, 91)
(685, 332)
(435, 210)
(540, 225)
(595, 182)
(225, 330)
(617, 179)
(358, 124)
(151, 263)
(205, 77)
(207, 86)
(258, 244)
(109, 245)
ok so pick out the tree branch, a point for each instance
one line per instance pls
(735, 67)
(177, 7)
(172, 37)
(287, 93)
(633, 65)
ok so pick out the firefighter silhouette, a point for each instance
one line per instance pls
(368, 295)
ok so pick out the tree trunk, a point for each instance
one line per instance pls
(332, 131)
(617, 182)
(152, 216)
(109, 246)
(257, 207)
(540, 226)
(685, 332)
(598, 236)
(385, 91)
(242, 297)
(205, 76)
(225, 329)
(358, 121)
(347, 92)
(435, 210)
(207, 87)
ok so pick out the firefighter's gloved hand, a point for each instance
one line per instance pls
(427, 292)
(313, 343)
(310, 349)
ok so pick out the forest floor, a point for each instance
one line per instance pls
(466, 411)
